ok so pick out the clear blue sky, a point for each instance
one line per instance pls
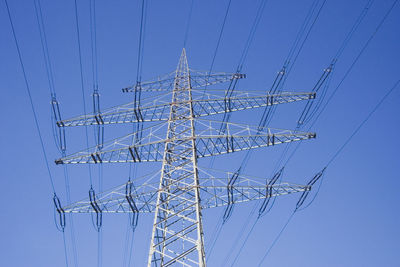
(354, 220)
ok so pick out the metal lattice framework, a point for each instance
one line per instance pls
(214, 192)
(178, 140)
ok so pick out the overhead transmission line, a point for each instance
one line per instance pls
(319, 84)
(301, 38)
(59, 136)
(189, 20)
(205, 88)
(321, 81)
(348, 71)
(218, 43)
(329, 162)
(277, 85)
(229, 92)
(307, 113)
(249, 41)
(98, 129)
(56, 200)
(357, 129)
(357, 58)
(324, 83)
(133, 219)
(98, 222)
(82, 81)
(139, 66)
(233, 82)
(282, 75)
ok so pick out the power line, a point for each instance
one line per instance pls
(269, 111)
(99, 247)
(327, 72)
(363, 122)
(253, 30)
(354, 29)
(239, 236)
(65, 249)
(188, 24)
(28, 91)
(71, 222)
(350, 67)
(357, 58)
(139, 124)
(362, 15)
(140, 45)
(218, 43)
(93, 43)
(131, 248)
(368, 116)
(82, 83)
(330, 69)
(98, 129)
(306, 22)
(233, 83)
(215, 235)
(98, 224)
(276, 238)
(289, 63)
(280, 79)
(337, 153)
(61, 138)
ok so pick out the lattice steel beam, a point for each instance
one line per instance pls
(197, 79)
(211, 105)
(213, 186)
(208, 141)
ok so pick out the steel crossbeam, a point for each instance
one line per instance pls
(208, 142)
(213, 186)
(197, 79)
(211, 105)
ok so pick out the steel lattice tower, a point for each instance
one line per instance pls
(184, 189)
(178, 200)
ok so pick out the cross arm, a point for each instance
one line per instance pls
(203, 105)
(218, 138)
(245, 101)
(197, 79)
(212, 138)
(213, 190)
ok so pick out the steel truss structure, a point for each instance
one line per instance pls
(178, 140)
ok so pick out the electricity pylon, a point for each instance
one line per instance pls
(178, 141)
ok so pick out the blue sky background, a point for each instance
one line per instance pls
(354, 220)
